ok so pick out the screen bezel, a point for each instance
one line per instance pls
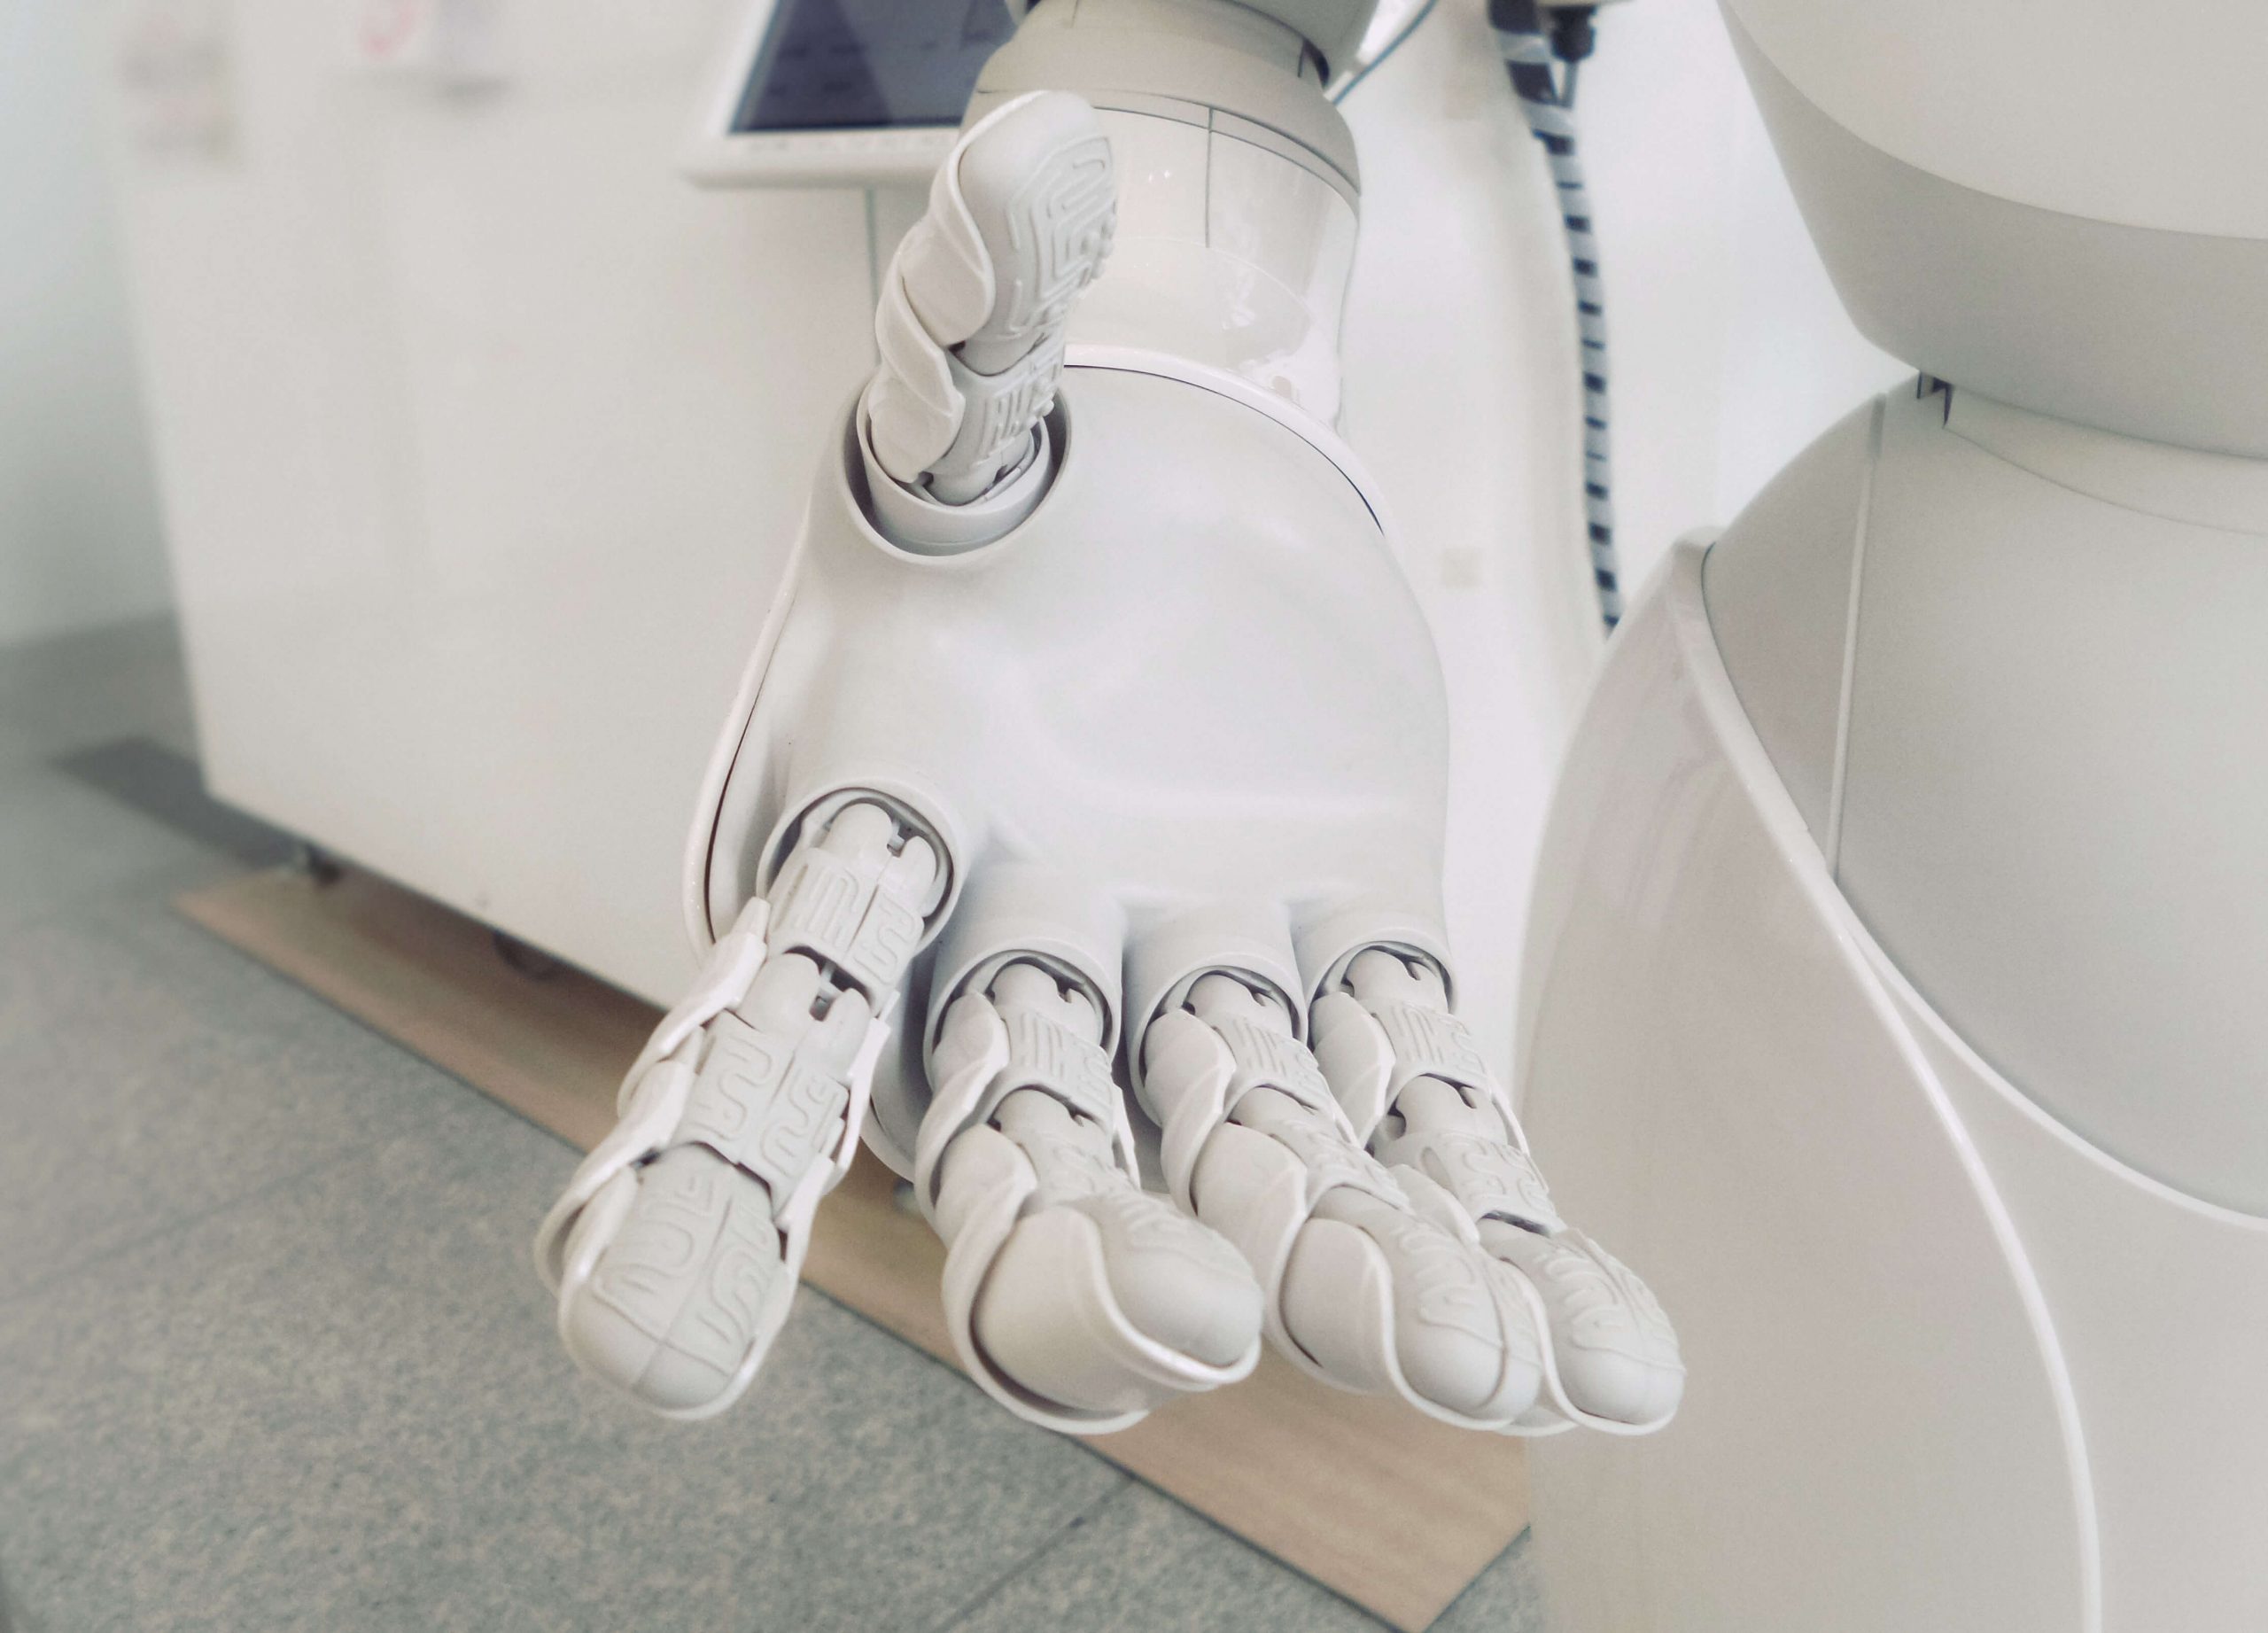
(847, 156)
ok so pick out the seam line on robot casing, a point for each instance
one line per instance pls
(1099, 58)
(1727, 725)
(1289, 414)
(1832, 849)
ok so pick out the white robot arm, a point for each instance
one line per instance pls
(1097, 724)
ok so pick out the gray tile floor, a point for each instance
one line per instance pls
(271, 1355)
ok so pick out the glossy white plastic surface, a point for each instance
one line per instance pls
(2065, 107)
(2157, 1301)
(1092, 767)
(1957, 1368)
(1074, 1298)
(951, 429)
(1229, 253)
(2007, 711)
(2050, 818)
(2065, 239)
(1877, 1436)
(442, 589)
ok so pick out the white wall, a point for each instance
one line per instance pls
(80, 539)
(1730, 351)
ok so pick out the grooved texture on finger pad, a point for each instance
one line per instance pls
(757, 1105)
(677, 1296)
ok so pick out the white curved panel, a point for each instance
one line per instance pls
(2161, 1303)
(1875, 1435)
(2150, 117)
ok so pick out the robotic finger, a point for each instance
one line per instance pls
(971, 325)
(675, 1249)
(1076, 1299)
(1405, 1070)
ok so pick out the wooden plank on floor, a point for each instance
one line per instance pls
(1393, 1511)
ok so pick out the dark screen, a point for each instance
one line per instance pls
(833, 65)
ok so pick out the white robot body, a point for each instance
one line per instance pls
(2005, 666)
(1902, 900)
(1965, 1369)
(2061, 207)
(1904, 894)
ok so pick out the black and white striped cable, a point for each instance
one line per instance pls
(1528, 54)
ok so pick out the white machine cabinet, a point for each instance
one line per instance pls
(441, 373)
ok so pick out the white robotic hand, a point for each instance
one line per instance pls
(1107, 730)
